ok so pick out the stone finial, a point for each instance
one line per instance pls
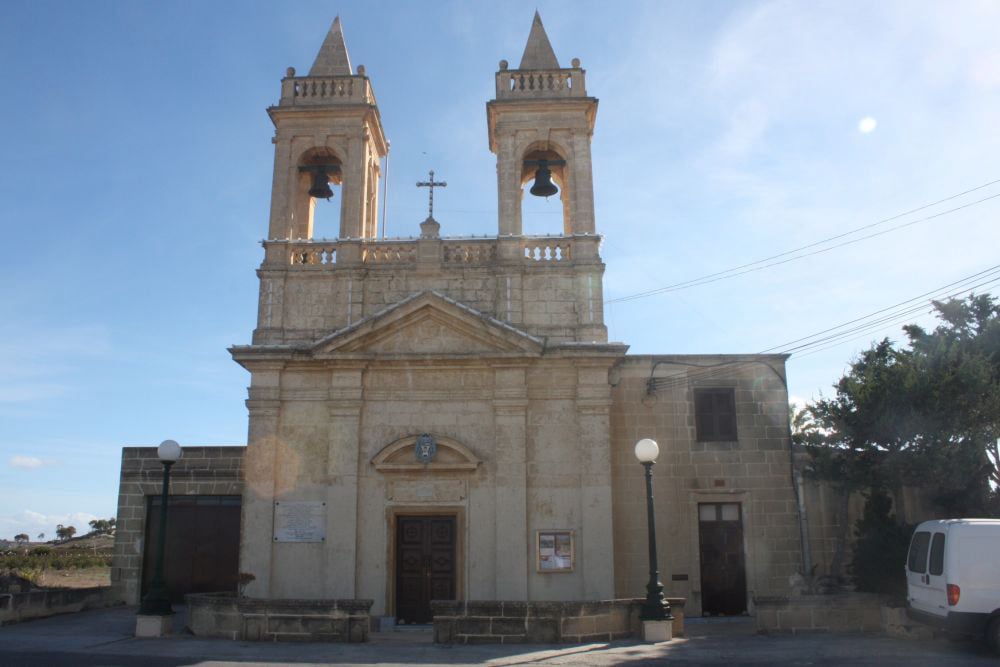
(504, 65)
(538, 53)
(290, 72)
(430, 229)
(361, 70)
(332, 59)
(575, 62)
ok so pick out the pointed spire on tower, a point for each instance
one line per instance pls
(538, 53)
(332, 59)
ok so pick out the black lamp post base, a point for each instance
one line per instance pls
(656, 607)
(155, 606)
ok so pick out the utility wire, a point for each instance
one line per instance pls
(755, 266)
(865, 325)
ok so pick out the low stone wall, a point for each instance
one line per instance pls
(248, 619)
(496, 622)
(843, 612)
(677, 611)
(15, 607)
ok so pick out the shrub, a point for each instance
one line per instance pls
(879, 554)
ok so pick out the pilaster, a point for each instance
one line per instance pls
(594, 436)
(340, 549)
(259, 490)
(510, 406)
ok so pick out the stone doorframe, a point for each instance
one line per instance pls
(461, 540)
(745, 499)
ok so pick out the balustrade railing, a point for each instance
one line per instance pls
(313, 254)
(469, 252)
(541, 83)
(400, 252)
(529, 250)
(546, 249)
(306, 90)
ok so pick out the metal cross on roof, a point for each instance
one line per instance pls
(431, 184)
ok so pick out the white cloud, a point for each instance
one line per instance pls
(25, 462)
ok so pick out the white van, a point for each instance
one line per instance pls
(953, 577)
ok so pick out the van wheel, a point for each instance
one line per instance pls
(993, 634)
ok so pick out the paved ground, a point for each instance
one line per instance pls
(103, 637)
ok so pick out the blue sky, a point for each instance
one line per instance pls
(135, 178)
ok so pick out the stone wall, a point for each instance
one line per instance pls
(844, 612)
(201, 471)
(16, 607)
(753, 471)
(227, 616)
(496, 622)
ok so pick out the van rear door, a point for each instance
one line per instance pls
(925, 573)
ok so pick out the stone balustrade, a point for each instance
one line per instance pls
(322, 90)
(382, 252)
(540, 83)
(526, 250)
(470, 251)
(546, 249)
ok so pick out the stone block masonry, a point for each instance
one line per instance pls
(495, 622)
(229, 617)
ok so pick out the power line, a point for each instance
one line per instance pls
(837, 335)
(756, 265)
(922, 298)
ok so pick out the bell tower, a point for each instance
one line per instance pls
(327, 130)
(542, 119)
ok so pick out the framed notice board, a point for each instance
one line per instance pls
(555, 551)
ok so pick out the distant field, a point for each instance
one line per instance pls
(78, 563)
(75, 578)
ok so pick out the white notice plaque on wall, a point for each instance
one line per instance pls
(299, 521)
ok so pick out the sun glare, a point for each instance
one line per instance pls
(867, 124)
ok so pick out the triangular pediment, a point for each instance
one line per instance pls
(429, 323)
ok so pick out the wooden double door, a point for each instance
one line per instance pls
(425, 565)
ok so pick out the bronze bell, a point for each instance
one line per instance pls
(321, 185)
(543, 187)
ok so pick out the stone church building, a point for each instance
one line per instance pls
(444, 418)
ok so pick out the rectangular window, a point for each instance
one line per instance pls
(718, 512)
(937, 554)
(715, 415)
(918, 552)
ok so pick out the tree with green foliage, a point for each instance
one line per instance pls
(102, 526)
(64, 533)
(22, 538)
(925, 415)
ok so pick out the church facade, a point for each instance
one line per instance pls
(444, 418)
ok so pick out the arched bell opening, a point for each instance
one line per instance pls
(319, 188)
(544, 192)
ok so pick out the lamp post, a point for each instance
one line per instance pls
(156, 602)
(656, 607)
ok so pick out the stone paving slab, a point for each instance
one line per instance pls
(103, 637)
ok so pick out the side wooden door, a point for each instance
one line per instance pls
(723, 570)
